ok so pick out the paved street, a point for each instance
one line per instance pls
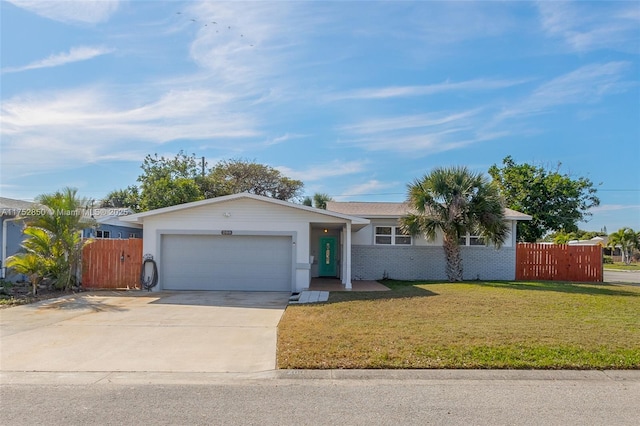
(324, 397)
(628, 277)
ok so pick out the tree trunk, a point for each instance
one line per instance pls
(34, 284)
(454, 259)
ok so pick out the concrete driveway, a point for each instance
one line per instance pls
(139, 331)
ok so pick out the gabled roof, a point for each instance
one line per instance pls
(393, 210)
(12, 204)
(139, 217)
(11, 207)
(602, 241)
(365, 209)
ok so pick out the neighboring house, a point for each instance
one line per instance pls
(11, 226)
(595, 241)
(101, 223)
(254, 243)
(107, 224)
(599, 241)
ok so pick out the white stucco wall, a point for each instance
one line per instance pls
(243, 216)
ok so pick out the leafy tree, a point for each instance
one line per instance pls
(128, 197)
(53, 247)
(236, 176)
(455, 201)
(555, 201)
(628, 240)
(307, 201)
(169, 181)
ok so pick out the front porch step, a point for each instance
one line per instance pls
(311, 297)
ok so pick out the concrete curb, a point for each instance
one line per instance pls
(292, 376)
(617, 375)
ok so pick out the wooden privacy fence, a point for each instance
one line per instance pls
(110, 263)
(558, 262)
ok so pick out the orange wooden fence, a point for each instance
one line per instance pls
(558, 262)
(108, 263)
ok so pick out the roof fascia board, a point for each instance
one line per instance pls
(139, 217)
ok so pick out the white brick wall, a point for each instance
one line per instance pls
(428, 263)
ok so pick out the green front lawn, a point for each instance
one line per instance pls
(468, 325)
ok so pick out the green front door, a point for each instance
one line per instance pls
(327, 257)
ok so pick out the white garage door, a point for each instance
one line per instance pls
(217, 262)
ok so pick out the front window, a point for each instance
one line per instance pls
(472, 240)
(476, 241)
(392, 235)
(103, 234)
(402, 237)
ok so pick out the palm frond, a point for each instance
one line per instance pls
(455, 201)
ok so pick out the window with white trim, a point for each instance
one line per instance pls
(392, 235)
(103, 234)
(472, 240)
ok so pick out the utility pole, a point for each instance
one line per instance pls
(202, 166)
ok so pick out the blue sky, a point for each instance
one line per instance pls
(356, 99)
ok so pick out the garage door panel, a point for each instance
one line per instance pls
(243, 262)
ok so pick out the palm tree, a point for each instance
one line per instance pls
(455, 202)
(320, 200)
(63, 223)
(627, 239)
(37, 258)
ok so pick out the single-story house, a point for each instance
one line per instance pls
(254, 243)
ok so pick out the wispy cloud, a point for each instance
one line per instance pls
(71, 11)
(371, 187)
(248, 46)
(90, 124)
(384, 124)
(281, 139)
(425, 90)
(585, 26)
(585, 85)
(420, 135)
(325, 170)
(75, 54)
